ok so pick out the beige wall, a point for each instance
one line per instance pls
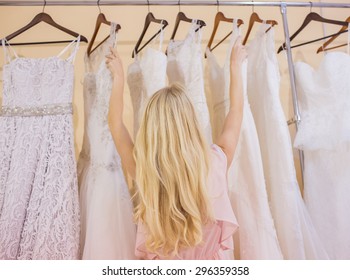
(82, 20)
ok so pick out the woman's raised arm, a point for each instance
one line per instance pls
(120, 134)
(229, 137)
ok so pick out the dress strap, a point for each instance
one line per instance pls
(196, 31)
(264, 26)
(235, 24)
(348, 38)
(113, 34)
(235, 31)
(7, 55)
(236, 28)
(270, 35)
(74, 52)
(161, 36)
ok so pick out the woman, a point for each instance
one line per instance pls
(183, 210)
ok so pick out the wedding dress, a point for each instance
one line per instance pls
(185, 66)
(107, 230)
(256, 238)
(295, 231)
(146, 75)
(39, 206)
(324, 136)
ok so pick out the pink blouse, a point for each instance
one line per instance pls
(217, 236)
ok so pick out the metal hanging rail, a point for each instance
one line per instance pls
(296, 117)
(176, 3)
(282, 5)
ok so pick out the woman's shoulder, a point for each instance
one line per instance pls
(218, 158)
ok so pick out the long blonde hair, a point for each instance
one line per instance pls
(171, 157)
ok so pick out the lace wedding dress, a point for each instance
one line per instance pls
(39, 207)
(107, 228)
(185, 66)
(324, 136)
(295, 231)
(256, 238)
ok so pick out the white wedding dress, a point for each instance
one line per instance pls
(107, 228)
(146, 75)
(324, 136)
(39, 206)
(297, 236)
(256, 238)
(185, 66)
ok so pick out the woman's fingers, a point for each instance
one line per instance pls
(114, 52)
(238, 54)
(110, 56)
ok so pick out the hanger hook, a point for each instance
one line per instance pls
(218, 5)
(149, 10)
(44, 6)
(98, 5)
(310, 6)
(253, 6)
(179, 3)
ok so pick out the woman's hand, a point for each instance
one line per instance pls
(238, 53)
(115, 65)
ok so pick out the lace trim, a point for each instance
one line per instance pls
(44, 110)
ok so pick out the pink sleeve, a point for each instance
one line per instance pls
(218, 191)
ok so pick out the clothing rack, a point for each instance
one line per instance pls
(283, 7)
(175, 3)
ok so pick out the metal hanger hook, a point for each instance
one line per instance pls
(98, 5)
(253, 6)
(149, 10)
(310, 6)
(179, 4)
(44, 6)
(218, 5)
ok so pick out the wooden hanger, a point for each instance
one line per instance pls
(255, 18)
(149, 18)
(101, 18)
(309, 18)
(218, 18)
(318, 39)
(326, 44)
(335, 47)
(182, 17)
(43, 17)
